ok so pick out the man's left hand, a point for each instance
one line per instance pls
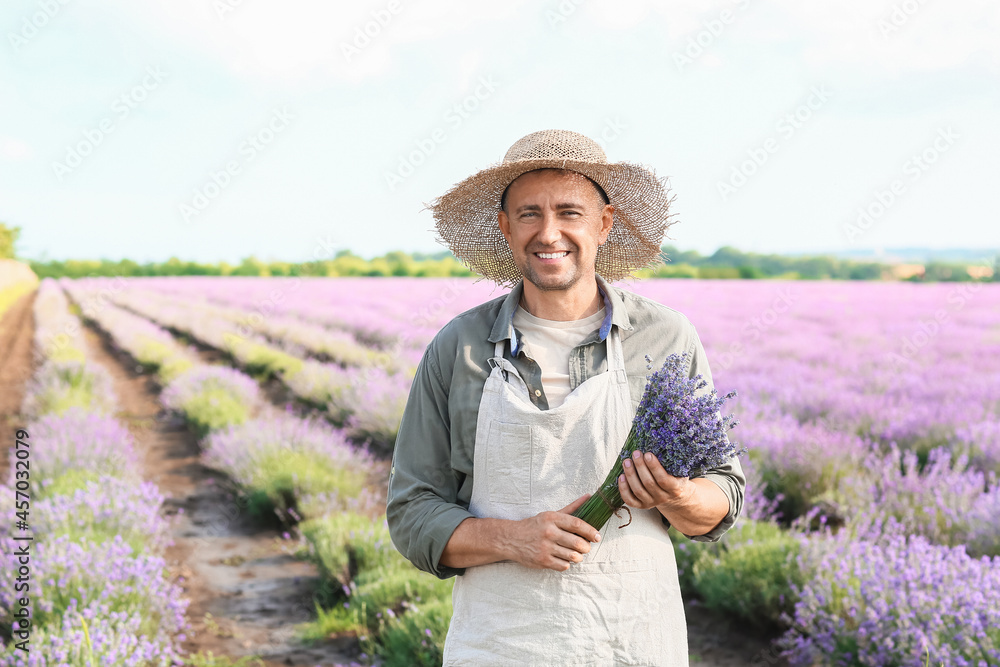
(646, 484)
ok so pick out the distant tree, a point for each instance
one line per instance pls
(8, 239)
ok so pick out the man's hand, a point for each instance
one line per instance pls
(692, 506)
(553, 540)
(646, 484)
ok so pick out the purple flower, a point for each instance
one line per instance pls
(681, 424)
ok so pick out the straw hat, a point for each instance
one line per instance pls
(466, 215)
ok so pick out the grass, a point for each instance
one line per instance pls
(747, 575)
(399, 612)
(283, 476)
(214, 408)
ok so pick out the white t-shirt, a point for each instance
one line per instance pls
(549, 343)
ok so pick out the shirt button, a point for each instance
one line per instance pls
(538, 392)
(392, 470)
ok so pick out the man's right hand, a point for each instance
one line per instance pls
(553, 540)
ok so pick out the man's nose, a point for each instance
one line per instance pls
(549, 232)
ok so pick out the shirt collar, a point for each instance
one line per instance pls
(615, 314)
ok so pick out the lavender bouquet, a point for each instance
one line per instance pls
(685, 431)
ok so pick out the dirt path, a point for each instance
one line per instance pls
(715, 642)
(246, 593)
(17, 327)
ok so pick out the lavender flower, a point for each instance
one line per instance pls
(676, 421)
(680, 424)
(79, 444)
(290, 459)
(67, 573)
(888, 602)
(102, 508)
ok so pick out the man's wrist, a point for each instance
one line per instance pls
(680, 498)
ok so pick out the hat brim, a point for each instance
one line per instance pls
(466, 217)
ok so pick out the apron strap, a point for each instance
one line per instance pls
(616, 356)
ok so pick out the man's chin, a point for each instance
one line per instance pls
(552, 283)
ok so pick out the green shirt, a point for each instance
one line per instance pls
(430, 484)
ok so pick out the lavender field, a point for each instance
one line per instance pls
(871, 411)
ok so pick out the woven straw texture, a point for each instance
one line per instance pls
(466, 216)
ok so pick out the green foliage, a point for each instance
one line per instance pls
(66, 483)
(157, 356)
(8, 239)
(262, 360)
(344, 263)
(417, 637)
(69, 384)
(382, 597)
(750, 575)
(346, 544)
(213, 409)
(284, 476)
(725, 263)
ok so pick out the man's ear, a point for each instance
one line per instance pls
(503, 222)
(607, 222)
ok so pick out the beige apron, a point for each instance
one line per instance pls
(621, 605)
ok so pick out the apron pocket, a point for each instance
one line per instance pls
(508, 463)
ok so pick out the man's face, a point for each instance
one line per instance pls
(554, 222)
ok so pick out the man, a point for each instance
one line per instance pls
(520, 406)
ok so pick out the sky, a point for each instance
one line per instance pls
(212, 130)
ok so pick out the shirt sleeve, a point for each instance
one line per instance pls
(422, 510)
(729, 476)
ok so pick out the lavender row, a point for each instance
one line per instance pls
(391, 314)
(298, 466)
(368, 401)
(64, 377)
(100, 590)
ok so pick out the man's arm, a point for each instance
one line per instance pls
(422, 508)
(552, 540)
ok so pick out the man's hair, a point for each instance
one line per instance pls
(600, 190)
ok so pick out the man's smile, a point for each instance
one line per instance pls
(552, 256)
